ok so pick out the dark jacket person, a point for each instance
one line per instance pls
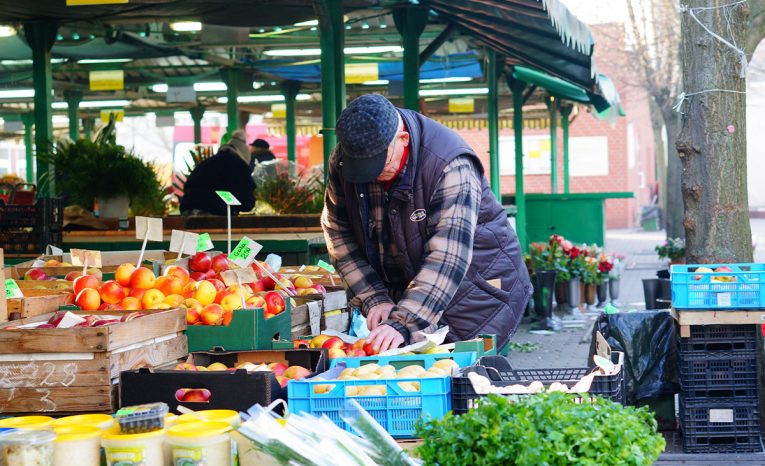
(415, 230)
(261, 151)
(230, 170)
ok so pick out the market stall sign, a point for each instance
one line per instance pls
(119, 115)
(107, 80)
(148, 228)
(278, 110)
(357, 73)
(329, 268)
(12, 289)
(228, 198)
(183, 242)
(94, 2)
(244, 252)
(462, 105)
(85, 258)
(204, 243)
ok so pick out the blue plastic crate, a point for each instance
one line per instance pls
(399, 362)
(743, 288)
(397, 411)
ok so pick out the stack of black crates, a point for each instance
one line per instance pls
(28, 229)
(719, 402)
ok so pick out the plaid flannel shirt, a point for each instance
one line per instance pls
(452, 218)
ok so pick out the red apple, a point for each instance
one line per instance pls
(336, 353)
(46, 326)
(370, 349)
(200, 262)
(277, 368)
(179, 272)
(210, 274)
(72, 275)
(85, 281)
(35, 274)
(196, 396)
(219, 285)
(301, 343)
(333, 342)
(88, 299)
(212, 314)
(355, 353)
(274, 303)
(220, 263)
(283, 381)
(296, 372)
(258, 286)
(198, 276)
(112, 292)
(269, 282)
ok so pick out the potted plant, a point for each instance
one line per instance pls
(543, 273)
(104, 174)
(590, 275)
(615, 277)
(673, 250)
(605, 266)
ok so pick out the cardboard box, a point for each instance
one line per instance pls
(249, 330)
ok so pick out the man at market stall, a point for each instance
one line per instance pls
(415, 231)
(261, 151)
(229, 170)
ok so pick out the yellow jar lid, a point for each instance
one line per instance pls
(212, 415)
(199, 429)
(73, 433)
(83, 420)
(116, 434)
(28, 422)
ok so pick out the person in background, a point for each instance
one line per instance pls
(261, 151)
(228, 170)
(415, 231)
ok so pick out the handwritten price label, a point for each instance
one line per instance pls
(12, 289)
(244, 252)
(204, 243)
(228, 198)
(328, 267)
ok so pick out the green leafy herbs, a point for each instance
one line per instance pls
(522, 347)
(86, 170)
(546, 429)
(289, 193)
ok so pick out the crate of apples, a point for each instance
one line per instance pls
(283, 372)
(336, 347)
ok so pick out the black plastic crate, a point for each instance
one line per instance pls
(725, 443)
(719, 370)
(705, 416)
(713, 338)
(30, 240)
(44, 212)
(498, 370)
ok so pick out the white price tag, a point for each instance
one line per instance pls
(721, 415)
(148, 228)
(244, 252)
(724, 299)
(183, 242)
(80, 256)
(236, 276)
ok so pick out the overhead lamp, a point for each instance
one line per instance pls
(28, 61)
(244, 99)
(7, 30)
(16, 93)
(186, 26)
(451, 79)
(257, 84)
(383, 25)
(364, 25)
(60, 119)
(93, 61)
(75, 36)
(313, 22)
(465, 91)
(347, 51)
(199, 87)
(92, 104)
(377, 82)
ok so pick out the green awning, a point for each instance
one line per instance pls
(604, 100)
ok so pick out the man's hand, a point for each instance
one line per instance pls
(385, 337)
(378, 314)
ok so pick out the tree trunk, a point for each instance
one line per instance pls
(756, 31)
(712, 142)
(675, 208)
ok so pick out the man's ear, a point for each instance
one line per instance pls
(404, 135)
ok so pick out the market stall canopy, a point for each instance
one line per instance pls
(221, 12)
(540, 34)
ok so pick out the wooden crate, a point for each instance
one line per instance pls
(38, 377)
(110, 260)
(32, 306)
(730, 317)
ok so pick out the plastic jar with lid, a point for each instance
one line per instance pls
(77, 445)
(26, 447)
(195, 443)
(27, 422)
(143, 449)
(102, 421)
(213, 415)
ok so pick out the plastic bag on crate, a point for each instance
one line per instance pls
(425, 342)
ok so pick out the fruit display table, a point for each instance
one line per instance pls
(294, 247)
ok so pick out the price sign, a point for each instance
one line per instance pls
(228, 198)
(148, 228)
(238, 276)
(244, 252)
(12, 289)
(328, 267)
(183, 242)
(204, 243)
(80, 257)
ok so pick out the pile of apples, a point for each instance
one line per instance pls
(65, 319)
(440, 368)
(337, 348)
(716, 278)
(283, 372)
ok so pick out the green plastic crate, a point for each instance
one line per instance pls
(248, 330)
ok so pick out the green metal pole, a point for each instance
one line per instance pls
(197, 113)
(520, 197)
(73, 99)
(493, 116)
(335, 12)
(40, 37)
(410, 22)
(231, 78)
(328, 87)
(565, 112)
(28, 119)
(552, 105)
(290, 90)
(88, 124)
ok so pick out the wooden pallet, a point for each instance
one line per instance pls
(74, 370)
(730, 317)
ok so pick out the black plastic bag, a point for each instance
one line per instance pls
(649, 342)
